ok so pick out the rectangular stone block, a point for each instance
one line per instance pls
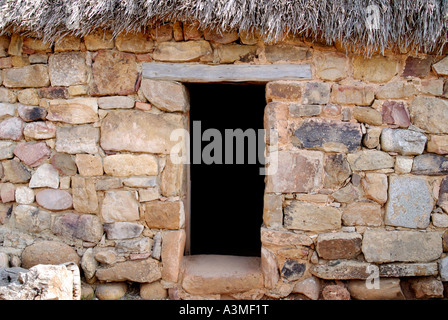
(358, 95)
(339, 245)
(298, 171)
(409, 269)
(32, 76)
(380, 246)
(77, 139)
(311, 217)
(125, 165)
(173, 246)
(165, 215)
(272, 210)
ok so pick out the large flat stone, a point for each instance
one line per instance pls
(410, 202)
(77, 139)
(87, 227)
(48, 252)
(73, 111)
(298, 171)
(164, 214)
(125, 165)
(339, 245)
(381, 246)
(370, 160)
(329, 136)
(68, 69)
(173, 246)
(166, 95)
(342, 270)
(120, 205)
(430, 164)
(214, 274)
(403, 141)
(32, 76)
(136, 271)
(311, 217)
(430, 114)
(181, 51)
(402, 269)
(139, 131)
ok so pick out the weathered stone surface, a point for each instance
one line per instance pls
(99, 40)
(53, 93)
(403, 164)
(77, 139)
(24, 195)
(316, 93)
(337, 170)
(236, 52)
(374, 69)
(32, 76)
(7, 192)
(396, 90)
(403, 141)
(136, 271)
(342, 270)
(108, 183)
(40, 130)
(213, 274)
(166, 95)
(15, 172)
(367, 115)
(6, 149)
(284, 238)
(308, 110)
(11, 129)
(114, 73)
(443, 195)
(362, 213)
(381, 246)
(162, 32)
(45, 176)
(48, 252)
(31, 219)
(123, 165)
(73, 111)
(134, 42)
(219, 36)
(439, 220)
(310, 287)
(370, 160)
(335, 292)
(285, 52)
(181, 51)
(389, 289)
(86, 227)
(427, 287)
(395, 113)
(7, 96)
(138, 131)
(164, 215)
(430, 114)
(67, 69)
(339, 245)
(173, 246)
(288, 179)
(153, 291)
(122, 230)
(331, 66)
(54, 200)
(140, 182)
(119, 206)
(283, 91)
(116, 102)
(64, 164)
(443, 268)
(408, 269)
(346, 94)
(269, 268)
(172, 179)
(417, 67)
(311, 217)
(89, 165)
(441, 67)
(375, 187)
(272, 210)
(292, 270)
(85, 199)
(410, 202)
(31, 153)
(437, 144)
(111, 291)
(430, 164)
(7, 109)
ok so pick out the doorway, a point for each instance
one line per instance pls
(226, 187)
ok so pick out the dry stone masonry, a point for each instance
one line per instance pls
(359, 199)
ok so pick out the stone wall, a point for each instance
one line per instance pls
(360, 193)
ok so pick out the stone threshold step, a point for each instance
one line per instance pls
(220, 274)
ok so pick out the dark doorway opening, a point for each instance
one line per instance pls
(226, 200)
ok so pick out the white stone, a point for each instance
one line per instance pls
(443, 268)
(45, 176)
(405, 142)
(439, 220)
(403, 164)
(24, 195)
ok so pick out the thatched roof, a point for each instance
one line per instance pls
(420, 24)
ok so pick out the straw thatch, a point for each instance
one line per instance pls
(420, 24)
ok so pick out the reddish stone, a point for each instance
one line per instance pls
(11, 129)
(220, 36)
(32, 154)
(144, 57)
(7, 192)
(178, 32)
(417, 67)
(53, 93)
(162, 33)
(53, 199)
(5, 63)
(335, 292)
(283, 90)
(191, 31)
(143, 106)
(395, 113)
